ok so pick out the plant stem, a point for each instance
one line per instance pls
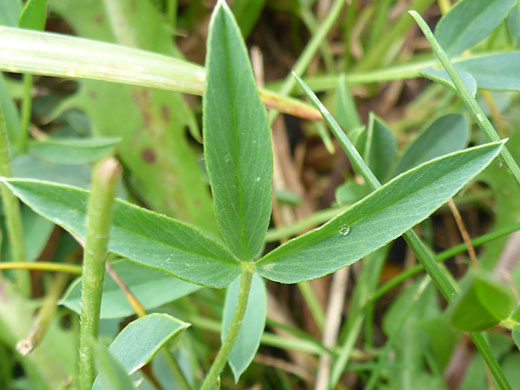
(12, 211)
(26, 112)
(475, 109)
(442, 256)
(43, 266)
(308, 53)
(234, 328)
(99, 222)
(446, 286)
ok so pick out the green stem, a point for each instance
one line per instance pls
(310, 50)
(475, 109)
(12, 211)
(175, 369)
(314, 304)
(26, 112)
(310, 22)
(391, 284)
(99, 222)
(43, 266)
(234, 328)
(446, 286)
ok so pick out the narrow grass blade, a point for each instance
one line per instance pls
(48, 54)
(465, 94)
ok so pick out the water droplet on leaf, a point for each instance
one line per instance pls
(344, 230)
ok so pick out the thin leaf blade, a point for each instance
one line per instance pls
(237, 145)
(33, 15)
(138, 234)
(377, 219)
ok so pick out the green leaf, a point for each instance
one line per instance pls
(470, 21)
(483, 303)
(33, 15)
(111, 374)
(516, 336)
(350, 192)
(247, 13)
(164, 169)
(141, 339)
(380, 148)
(9, 12)
(31, 167)
(441, 77)
(152, 288)
(497, 71)
(11, 116)
(138, 234)
(237, 142)
(248, 339)
(73, 150)
(376, 220)
(446, 134)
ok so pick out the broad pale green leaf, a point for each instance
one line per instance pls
(446, 134)
(111, 374)
(377, 219)
(48, 54)
(73, 150)
(483, 303)
(497, 71)
(380, 148)
(140, 340)
(138, 234)
(248, 339)
(237, 142)
(164, 170)
(152, 288)
(470, 21)
(441, 77)
(33, 15)
(9, 12)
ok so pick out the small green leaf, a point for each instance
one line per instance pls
(350, 192)
(516, 336)
(111, 374)
(73, 150)
(441, 77)
(237, 142)
(140, 340)
(446, 134)
(380, 148)
(33, 15)
(376, 220)
(470, 21)
(483, 303)
(497, 71)
(138, 234)
(152, 288)
(248, 339)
